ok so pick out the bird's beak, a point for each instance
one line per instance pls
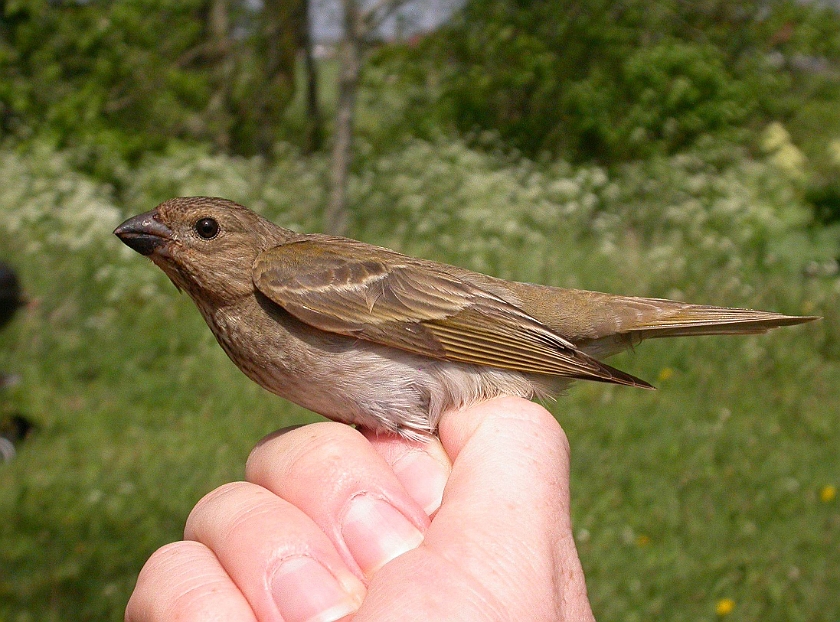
(144, 233)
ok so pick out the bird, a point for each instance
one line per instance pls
(368, 336)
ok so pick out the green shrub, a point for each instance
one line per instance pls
(610, 81)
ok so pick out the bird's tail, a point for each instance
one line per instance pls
(638, 319)
(688, 320)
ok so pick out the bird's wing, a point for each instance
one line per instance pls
(350, 288)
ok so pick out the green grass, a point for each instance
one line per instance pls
(706, 489)
(710, 488)
(135, 426)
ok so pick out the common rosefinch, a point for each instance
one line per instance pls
(368, 336)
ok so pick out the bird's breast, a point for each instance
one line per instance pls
(351, 380)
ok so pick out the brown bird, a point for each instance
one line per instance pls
(368, 336)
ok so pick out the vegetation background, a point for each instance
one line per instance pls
(686, 150)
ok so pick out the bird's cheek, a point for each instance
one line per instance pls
(171, 262)
(163, 259)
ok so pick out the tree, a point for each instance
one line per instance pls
(360, 23)
(121, 78)
(279, 33)
(612, 80)
(314, 121)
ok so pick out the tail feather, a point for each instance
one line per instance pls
(673, 319)
(691, 320)
(602, 324)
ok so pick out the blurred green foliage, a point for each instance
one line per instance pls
(680, 149)
(613, 81)
(119, 79)
(665, 97)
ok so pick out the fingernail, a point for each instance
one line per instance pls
(423, 477)
(305, 591)
(376, 532)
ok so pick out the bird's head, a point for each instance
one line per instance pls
(206, 246)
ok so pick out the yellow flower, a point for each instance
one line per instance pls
(643, 540)
(777, 143)
(828, 493)
(724, 606)
(774, 137)
(834, 151)
(665, 373)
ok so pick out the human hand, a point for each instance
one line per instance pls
(334, 524)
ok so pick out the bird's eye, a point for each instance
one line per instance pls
(207, 228)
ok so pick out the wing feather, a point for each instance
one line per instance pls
(354, 289)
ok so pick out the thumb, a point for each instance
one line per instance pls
(505, 512)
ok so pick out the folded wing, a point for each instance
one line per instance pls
(353, 289)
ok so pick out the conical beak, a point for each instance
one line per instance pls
(144, 233)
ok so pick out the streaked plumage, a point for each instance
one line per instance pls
(366, 335)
